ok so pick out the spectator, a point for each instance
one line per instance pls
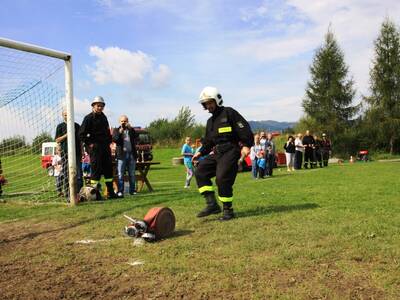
(187, 152)
(298, 157)
(95, 133)
(290, 150)
(257, 158)
(309, 144)
(317, 151)
(86, 164)
(62, 140)
(199, 150)
(326, 149)
(57, 163)
(125, 139)
(263, 139)
(269, 155)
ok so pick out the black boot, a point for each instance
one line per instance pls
(212, 206)
(228, 212)
(110, 191)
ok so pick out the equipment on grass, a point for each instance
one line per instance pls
(89, 193)
(158, 223)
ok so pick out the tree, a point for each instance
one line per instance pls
(8, 146)
(329, 93)
(39, 140)
(184, 121)
(383, 105)
(171, 132)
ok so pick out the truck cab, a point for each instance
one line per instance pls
(144, 145)
(48, 151)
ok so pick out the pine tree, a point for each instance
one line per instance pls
(329, 93)
(384, 102)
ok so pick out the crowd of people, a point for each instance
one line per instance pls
(308, 151)
(93, 138)
(227, 140)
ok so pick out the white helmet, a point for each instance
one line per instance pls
(98, 99)
(209, 93)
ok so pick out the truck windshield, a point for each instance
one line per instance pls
(144, 138)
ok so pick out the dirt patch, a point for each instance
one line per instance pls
(41, 261)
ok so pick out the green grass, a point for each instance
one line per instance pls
(328, 233)
(27, 179)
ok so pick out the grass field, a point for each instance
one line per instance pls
(330, 233)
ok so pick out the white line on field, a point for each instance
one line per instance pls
(136, 263)
(88, 241)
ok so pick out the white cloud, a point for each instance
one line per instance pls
(121, 66)
(162, 76)
(355, 24)
(271, 49)
(84, 85)
(247, 44)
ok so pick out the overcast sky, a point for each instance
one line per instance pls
(149, 58)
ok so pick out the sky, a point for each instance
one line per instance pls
(149, 58)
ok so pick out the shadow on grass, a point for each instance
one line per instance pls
(179, 233)
(260, 210)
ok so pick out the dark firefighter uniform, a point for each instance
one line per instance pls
(326, 149)
(318, 152)
(309, 144)
(95, 133)
(226, 132)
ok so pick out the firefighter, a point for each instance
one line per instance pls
(326, 149)
(226, 132)
(95, 133)
(309, 145)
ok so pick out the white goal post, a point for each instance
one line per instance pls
(69, 103)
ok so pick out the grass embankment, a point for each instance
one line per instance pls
(323, 233)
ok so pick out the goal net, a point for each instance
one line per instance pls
(32, 98)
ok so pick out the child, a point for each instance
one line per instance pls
(187, 152)
(57, 164)
(86, 164)
(198, 150)
(257, 158)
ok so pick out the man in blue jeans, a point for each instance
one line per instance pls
(125, 138)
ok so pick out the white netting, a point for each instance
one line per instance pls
(32, 92)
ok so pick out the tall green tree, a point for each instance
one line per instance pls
(330, 92)
(39, 140)
(168, 132)
(383, 104)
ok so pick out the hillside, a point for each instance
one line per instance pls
(270, 125)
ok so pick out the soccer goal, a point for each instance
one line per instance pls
(35, 88)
